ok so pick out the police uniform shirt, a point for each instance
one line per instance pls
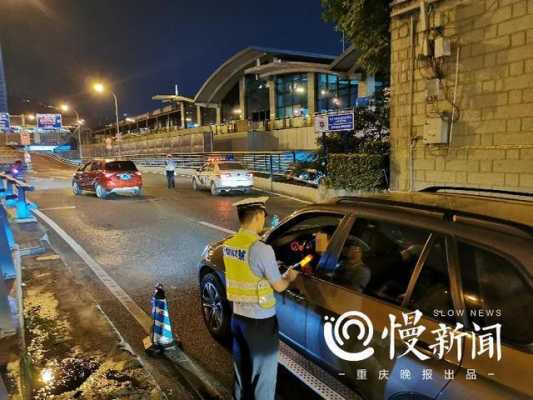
(263, 264)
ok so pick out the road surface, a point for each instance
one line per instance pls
(142, 242)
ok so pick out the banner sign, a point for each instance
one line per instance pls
(341, 122)
(25, 138)
(49, 121)
(4, 121)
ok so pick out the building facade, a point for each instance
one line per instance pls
(3, 85)
(462, 94)
(260, 99)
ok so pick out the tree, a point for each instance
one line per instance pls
(366, 24)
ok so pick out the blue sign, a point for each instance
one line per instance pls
(341, 122)
(362, 102)
(49, 121)
(4, 121)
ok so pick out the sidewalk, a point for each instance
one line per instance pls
(74, 351)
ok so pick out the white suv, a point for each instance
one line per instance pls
(223, 176)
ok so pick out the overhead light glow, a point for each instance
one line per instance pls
(99, 87)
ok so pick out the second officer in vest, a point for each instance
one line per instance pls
(252, 276)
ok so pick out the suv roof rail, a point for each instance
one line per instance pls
(436, 189)
(451, 213)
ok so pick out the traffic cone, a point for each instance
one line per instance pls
(161, 337)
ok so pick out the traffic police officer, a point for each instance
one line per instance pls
(252, 275)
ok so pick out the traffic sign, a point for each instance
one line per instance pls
(341, 122)
(4, 121)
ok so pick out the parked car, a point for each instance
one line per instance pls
(438, 252)
(105, 177)
(223, 176)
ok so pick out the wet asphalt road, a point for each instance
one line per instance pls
(141, 242)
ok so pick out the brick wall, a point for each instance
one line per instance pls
(492, 141)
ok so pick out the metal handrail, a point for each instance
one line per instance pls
(18, 199)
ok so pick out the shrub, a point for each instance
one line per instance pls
(364, 172)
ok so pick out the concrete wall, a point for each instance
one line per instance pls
(283, 139)
(492, 143)
(195, 140)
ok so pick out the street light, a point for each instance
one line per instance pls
(66, 108)
(99, 88)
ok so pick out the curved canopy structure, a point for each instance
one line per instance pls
(227, 75)
(347, 62)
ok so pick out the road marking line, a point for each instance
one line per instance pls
(58, 208)
(140, 316)
(218, 228)
(283, 195)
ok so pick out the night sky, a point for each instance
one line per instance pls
(54, 49)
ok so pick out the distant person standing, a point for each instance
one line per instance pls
(170, 169)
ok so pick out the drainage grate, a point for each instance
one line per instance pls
(316, 378)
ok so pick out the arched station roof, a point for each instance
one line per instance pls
(227, 75)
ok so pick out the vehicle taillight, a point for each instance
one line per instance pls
(225, 175)
(109, 174)
(249, 175)
(138, 173)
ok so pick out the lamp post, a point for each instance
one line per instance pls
(100, 88)
(79, 122)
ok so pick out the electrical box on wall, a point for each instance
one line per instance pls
(442, 47)
(436, 131)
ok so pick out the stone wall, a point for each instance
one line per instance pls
(491, 144)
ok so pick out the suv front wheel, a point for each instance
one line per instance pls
(215, 307)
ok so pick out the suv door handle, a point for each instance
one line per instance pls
(295, 294)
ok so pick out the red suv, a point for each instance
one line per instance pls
(108, 176)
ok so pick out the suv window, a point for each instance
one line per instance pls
(297, 238)
(378, 258)
(495, 292)
(120, 166)
(432, 293)
(95, 166)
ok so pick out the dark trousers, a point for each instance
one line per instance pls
(171, 182)
(255, 357)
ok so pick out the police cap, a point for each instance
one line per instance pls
(252, 203)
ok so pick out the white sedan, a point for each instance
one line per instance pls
(223, 176)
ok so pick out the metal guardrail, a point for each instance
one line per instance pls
(270, 163)
(8, 185)
(60, 158)
(7, 245)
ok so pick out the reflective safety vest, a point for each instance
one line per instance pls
(242, 284)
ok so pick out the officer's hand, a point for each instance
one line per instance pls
(291, 275)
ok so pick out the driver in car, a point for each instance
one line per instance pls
(354, 271)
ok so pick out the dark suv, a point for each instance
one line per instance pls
(456, 256)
